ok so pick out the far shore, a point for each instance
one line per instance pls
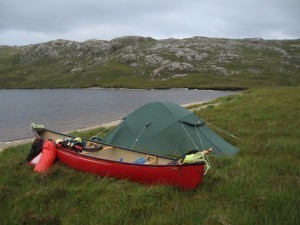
(4, 145)
(127, 88)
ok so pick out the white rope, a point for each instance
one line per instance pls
(199, 137)
(108, 127)
(208, 166)
(101, 132)
(225, 132)
(189, 136)
(205, 156)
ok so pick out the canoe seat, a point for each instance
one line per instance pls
(151, 159)
(108, 147)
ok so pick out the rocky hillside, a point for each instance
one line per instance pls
(197, 62)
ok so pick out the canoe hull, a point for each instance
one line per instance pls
(183, 176)
(104, 164)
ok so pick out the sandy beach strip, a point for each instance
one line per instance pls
(4, 145)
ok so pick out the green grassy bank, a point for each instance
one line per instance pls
(261, 185)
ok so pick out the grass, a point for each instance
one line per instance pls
(261, 185)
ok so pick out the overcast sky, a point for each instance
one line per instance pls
(33, 21)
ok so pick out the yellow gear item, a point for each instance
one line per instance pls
(78, 139)
(198, 157)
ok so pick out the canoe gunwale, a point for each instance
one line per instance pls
(127, 163)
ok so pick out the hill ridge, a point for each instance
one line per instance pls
(135, 58)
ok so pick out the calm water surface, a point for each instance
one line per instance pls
(69, 109)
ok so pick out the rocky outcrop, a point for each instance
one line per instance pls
(173, 67)
(144, 56)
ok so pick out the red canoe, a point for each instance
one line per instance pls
(122, 163)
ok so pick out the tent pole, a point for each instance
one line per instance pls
(138, 137)
(189, 136)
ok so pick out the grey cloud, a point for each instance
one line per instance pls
(31, 21)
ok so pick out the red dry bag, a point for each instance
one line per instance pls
(47, 158)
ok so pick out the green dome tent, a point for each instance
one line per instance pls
(166, 129)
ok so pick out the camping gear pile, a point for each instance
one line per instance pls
(160, 142)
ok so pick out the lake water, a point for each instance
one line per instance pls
(69, 109)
